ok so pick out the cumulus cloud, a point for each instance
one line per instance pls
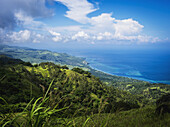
(103, 26)
(78, 9)
(37, 38)
(20, 36)
(127, 27)
(56, 39)
(80, 35)
(103, 22)
(55, 36)
(115, 29)
(104, 36)
(54, 33)
(33, 8)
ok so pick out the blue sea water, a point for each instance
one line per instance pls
(151, 65)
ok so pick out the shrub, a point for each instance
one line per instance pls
(163, 104)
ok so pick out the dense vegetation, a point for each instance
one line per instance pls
(80, 89)
(144, 89)
(150, 91)
(46, 94)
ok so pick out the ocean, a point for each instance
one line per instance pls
(151, 65)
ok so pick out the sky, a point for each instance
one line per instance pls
(84, 23)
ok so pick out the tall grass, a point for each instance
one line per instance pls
(36, 114)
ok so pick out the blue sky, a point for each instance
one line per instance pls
(76, 23)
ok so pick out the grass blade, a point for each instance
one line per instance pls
(86, 122)
(48, 88)
(3, 100)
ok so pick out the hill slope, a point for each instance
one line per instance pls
(144, 89)
(85, 99)
(76, 88)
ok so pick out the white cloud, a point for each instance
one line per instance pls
(21, 17)
(78, 9)
(138, 38)
(56, 39)
(55, 36)
(36, 41)
(146, 39)
(21, 36)
(28, 22)
(107, 34)
(101, 27)
(127, 27)
(104, 36)
(80, 35)
(103, 22)
(99, 37)
(33, 8)
(37, 38)
(54, 33)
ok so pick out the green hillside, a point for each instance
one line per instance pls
(80, 89)
(145, 89)
(47, 94)
(150, 91)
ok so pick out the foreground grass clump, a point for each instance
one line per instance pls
(35, 114)
(39, 116)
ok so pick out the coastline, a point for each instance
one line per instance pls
(149, 66)
(130, 77)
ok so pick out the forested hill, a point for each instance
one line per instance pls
(21, 81)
